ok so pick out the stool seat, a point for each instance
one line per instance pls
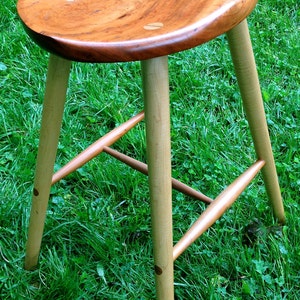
(123, 30)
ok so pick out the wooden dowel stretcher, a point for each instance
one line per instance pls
(97, 147)
(143, 168)
(102, 145)
(216, 209)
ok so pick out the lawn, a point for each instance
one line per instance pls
(97, 241)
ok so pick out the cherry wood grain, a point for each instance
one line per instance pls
(127, 30)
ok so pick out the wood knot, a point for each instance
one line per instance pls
(158, 270)
(35, 192)
(153, 26)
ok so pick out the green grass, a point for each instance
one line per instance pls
(97, 235)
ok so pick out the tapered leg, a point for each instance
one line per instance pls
(157, 117)
(56, 86)
(245, 68)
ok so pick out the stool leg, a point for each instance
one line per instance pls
(157, 117)
(245, 68)
(56, 86)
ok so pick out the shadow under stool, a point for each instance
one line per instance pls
(94, 31)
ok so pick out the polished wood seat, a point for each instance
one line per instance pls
(111, 31)
(147, 31)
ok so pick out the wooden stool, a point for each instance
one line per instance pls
(146, 31)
